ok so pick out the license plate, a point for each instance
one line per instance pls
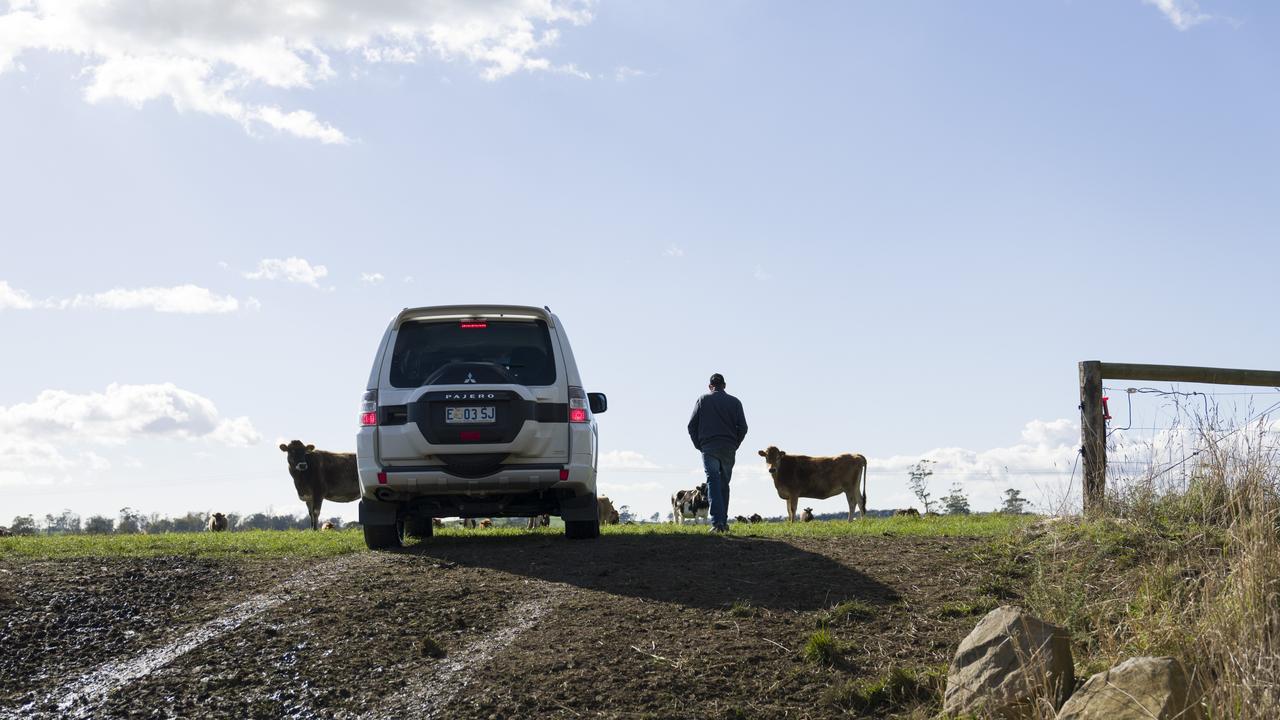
(473, 415)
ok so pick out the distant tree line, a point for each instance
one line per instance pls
(131, 522)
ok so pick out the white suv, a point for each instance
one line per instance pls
(475, 411)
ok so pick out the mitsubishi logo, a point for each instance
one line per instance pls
(470, 379)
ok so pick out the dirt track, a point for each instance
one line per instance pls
(476, 627)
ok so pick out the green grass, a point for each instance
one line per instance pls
(304, 543)
(968, 608)
(846, 611)
(250, 543)
(977, 525)
(897, 689)
(822, 648)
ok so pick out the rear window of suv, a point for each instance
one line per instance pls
(521, 348)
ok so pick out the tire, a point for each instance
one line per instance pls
(582, 529)
(419, 527)
(384, 537)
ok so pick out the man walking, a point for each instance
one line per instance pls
(717, 429)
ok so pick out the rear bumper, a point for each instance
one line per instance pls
(406, 483)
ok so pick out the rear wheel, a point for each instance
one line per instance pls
(419, 527)
(582, 529)
(384, 537)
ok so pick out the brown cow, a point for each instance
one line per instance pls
(486, 523)
(797, 476)
(907, 512)
(807, 515)
(217, 522)
(608, 516)
(319, 476)
(328, 525)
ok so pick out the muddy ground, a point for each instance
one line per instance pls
(626, 626)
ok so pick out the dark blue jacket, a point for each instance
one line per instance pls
(718, 424)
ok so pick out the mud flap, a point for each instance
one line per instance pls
(582, 507)
(376, 512)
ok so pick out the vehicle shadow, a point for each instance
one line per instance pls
(691, 570)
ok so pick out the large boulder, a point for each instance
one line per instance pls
(1010, 663)
(1142, 688)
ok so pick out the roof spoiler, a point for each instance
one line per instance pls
(464, 312)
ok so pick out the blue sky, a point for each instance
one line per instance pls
(894, 226)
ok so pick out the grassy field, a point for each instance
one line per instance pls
(304, 543)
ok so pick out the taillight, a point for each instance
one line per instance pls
(473, 325)
(577, 404)
(369, 408)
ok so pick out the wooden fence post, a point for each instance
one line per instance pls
(1093, 436)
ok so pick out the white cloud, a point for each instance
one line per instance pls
(186, 299)
(236, 432)
(292, 269)
(209, 56)
(120, 414)
(623, 73)
(44, 441)
(625, 459)
(12, 298)
(371, 278)
(673, 251)
(761, 275)
(1184, 14)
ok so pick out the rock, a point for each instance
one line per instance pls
(1142, 688)
(1007, 664)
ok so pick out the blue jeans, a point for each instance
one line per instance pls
(719, 467)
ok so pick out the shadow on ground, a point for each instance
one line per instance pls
(691, 570)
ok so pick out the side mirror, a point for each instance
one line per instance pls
(599, 403)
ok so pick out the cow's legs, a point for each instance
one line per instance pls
(791, 508)
(314, 508)
(852, 497)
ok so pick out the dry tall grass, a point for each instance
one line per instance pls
(1187, 566)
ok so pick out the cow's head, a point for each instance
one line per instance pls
(299, 455)
(771, 456)
(702, 489)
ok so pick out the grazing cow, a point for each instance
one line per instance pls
(755, 518)
(486, 523)
(319, 476)
(807, 515)
(539, 521)
(437, 522)
(328, 525)
(690, 504)
(907, 512)
(797, 476)
(740, 519)
(604, 507)
(217, 522)
(6, 532)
